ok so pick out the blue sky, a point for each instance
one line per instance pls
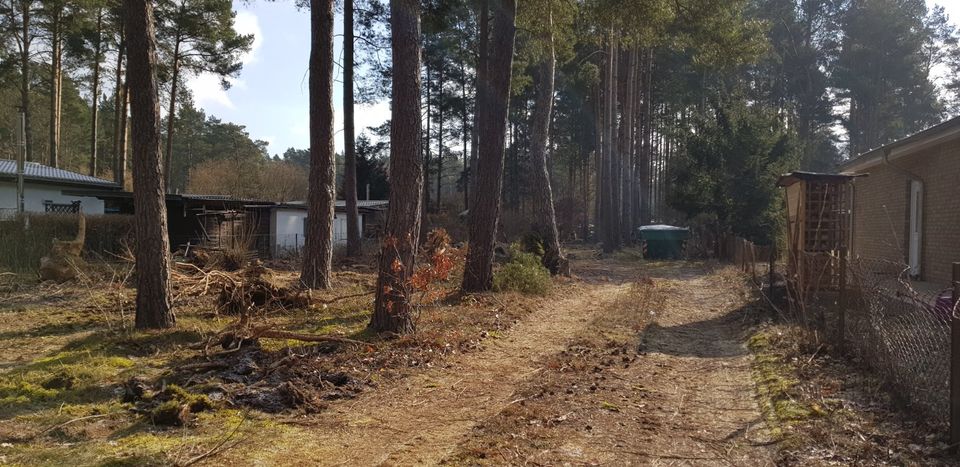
(270, 95)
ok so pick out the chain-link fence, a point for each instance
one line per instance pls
(901, 328)
(873, 310)
(870, 309)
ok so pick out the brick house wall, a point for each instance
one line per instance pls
(881, 216)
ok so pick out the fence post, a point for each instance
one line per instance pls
(955, 361)
(842, 300)
(771, 265)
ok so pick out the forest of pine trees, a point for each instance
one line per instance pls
(564, 120)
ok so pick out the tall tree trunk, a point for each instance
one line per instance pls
(392, 312)
(481, 86)
(95, 108)
(25, 40)
(426, 147)
(124, 129)
(153, 246)
(645, 146)
(172, 115)
(318, 248)
(56, 69)
(349, 143)
(544, 216)
(466, 135)
(598, 198)
(485, 206)
(610, 230)
(626, 154)
(439, 136)
(118, 106)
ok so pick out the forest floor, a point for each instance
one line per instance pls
(630, 362)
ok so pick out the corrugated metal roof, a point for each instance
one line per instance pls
(40, 172)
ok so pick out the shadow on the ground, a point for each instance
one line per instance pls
(709, 338)
(597, 268)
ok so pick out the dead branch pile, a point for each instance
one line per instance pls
(255, 286)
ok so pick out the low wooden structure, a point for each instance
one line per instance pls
(818, 211)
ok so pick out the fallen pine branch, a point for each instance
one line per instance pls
(269, 333)
(204, 366)
(74, 420)
(344, 297)
(219, 447)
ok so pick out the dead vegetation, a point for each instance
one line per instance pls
(250, 339)
(825, 410)
(256, 361)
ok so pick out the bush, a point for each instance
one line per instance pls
(21, 248)
(523, 273)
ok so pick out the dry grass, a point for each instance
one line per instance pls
(825, 411)
(69, 349)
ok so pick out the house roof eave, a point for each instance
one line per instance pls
(937, 134)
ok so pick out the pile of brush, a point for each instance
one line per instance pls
(253, 286)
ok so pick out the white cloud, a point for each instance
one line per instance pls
(207, 90)
(206, 87)
(247, 23)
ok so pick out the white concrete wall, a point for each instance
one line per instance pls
(35, 194)
(288, 225)
(287, 230)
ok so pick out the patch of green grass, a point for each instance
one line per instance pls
(609, 406)
(775, 380)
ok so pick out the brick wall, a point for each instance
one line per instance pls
(881, 218)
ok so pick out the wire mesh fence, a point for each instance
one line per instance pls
(901, 328)
(870, 309)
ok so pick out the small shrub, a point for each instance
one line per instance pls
(523, 273)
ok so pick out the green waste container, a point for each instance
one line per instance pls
(663, 241)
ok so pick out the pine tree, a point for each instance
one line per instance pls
(318, 248)
(153, 247)
(392, 310)
(484, 214)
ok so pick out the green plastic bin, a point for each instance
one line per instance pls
(663, 241)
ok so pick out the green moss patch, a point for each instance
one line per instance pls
(776, 381)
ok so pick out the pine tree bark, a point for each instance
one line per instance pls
(646, 143)
(95, 98)
(153, 247)
(626, 153)
(349, 142)
(124, 129)
(318, 247)
(439, 136)
(464, 119)
(480, 85)
(119, 106)
(485, 206)
(598, 198)
(426, 145)
(392, 311)
(56, 71)
(610, 229)
(544, 215)
(24, 41)
(172, 114)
